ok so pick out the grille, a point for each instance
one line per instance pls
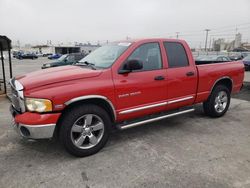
(16, 100)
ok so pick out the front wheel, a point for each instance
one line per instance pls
(218, 102)
(85, 130)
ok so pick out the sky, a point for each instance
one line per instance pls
(64, 21)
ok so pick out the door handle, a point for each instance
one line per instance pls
(190, 73)
(159, 78)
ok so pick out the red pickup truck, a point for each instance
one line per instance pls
(118, 86)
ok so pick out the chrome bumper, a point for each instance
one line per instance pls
(35, 131)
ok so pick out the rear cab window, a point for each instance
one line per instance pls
(176, 54)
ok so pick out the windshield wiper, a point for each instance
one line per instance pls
(86, 63)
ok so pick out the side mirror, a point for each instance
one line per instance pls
(130, 65)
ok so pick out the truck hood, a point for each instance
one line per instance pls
(54, 75)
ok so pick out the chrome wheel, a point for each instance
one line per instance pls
(87, 131)
(221, 102)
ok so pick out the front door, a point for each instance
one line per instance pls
(143, 91)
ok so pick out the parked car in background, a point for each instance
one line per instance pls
(235, 57)
(245, 54)
(240, 49)
(47, 54)
(54, 56)
(39, 54)
(246, 62)
(67, 59)
(14, 54)
(17, 53)
(26, 56)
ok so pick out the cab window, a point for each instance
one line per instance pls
(176, 55)
(150, 56)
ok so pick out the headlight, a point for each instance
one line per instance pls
(47, 65)
(38, 105)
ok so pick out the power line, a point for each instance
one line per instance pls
(230, 26)
(218, 29)
(222, 35)
(238, 29)
(230, 32)
(226, 32)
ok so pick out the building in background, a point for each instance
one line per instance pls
(60, 48)
(87, 47)
(43, 49)
(222, 45)
(237, 42)
(219, 44)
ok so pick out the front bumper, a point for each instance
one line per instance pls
(34, 125)
(45, 131)
(30, 125)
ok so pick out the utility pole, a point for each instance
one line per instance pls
(177, 35)
(209, 48)
(207, 30)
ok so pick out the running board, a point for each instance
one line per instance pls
(130, 125)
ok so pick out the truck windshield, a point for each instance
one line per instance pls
(105, 56)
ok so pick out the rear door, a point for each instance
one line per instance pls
(182, 75)
(143, 91)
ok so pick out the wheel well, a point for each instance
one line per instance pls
(97, 101)
(226, 82)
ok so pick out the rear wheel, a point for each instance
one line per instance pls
(218, 102)
(85, 130)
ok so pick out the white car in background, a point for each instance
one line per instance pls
(39, 54)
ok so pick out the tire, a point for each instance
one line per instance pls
(218, 102)
(80, 141)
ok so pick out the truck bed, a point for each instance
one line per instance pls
(211, 72)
